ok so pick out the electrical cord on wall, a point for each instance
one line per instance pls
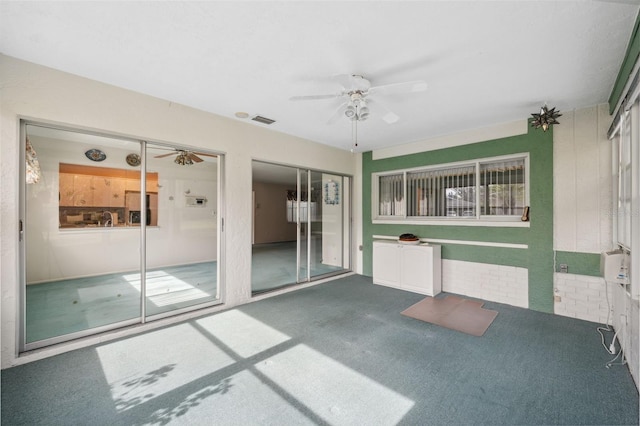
(611, 349)
(623, 362)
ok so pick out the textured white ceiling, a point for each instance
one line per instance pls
(486, 62)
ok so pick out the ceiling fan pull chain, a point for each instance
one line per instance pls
(354, 133)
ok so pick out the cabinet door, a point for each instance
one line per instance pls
(83, 190)
(417, 269)
(116, 198)
(386, 263)
(65, 187)
(101, 191)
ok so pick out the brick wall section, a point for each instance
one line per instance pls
(496, 283)
(582, 297)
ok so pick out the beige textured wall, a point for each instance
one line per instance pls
(270, 223)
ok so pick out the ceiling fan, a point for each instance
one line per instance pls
(185, 157)
(356, 90)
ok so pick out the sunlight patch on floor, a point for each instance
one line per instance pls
(240, 399)
(165, 289)
(243, 334)
(143, 367)
(333, 391)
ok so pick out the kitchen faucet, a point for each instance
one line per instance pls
(108, 218)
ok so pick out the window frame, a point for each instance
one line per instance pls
(477, 220)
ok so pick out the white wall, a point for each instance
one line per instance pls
(42, 94)
(583, 222)
(582, 181)
(498, 283)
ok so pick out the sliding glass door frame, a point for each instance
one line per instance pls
(304, 213)
(142, 318)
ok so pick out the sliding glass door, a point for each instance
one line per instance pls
(329, 237)
(114, 232)
(181, 267)
(307, 233)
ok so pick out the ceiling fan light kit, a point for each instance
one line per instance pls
(356, 89)
(183, 160)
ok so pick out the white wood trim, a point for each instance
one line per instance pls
(455, 222)
(462, 242)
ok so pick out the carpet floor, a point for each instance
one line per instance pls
(337, 353)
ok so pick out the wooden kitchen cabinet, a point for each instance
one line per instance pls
(415, 268)
(65, 188)
(83, 190)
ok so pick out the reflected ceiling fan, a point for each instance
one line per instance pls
(356, 91)
(185, 157)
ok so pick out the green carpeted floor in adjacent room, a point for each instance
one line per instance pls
(336, 353)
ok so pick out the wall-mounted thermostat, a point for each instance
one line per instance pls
(195, 200)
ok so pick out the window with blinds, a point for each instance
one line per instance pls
(391, 195)
(445, 192)
(502, 188)
(481, 188)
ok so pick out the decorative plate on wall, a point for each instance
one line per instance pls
(95, 155)
(133, 160)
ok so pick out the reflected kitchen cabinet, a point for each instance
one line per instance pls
(83, 190)
(90, 189)
(108, 191)
(66, 189)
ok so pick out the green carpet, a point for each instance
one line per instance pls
(336, 353)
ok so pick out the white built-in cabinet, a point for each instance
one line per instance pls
(415, 268)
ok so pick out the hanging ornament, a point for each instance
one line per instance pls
(545, 118)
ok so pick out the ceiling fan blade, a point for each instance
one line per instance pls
(406, 87)
(389, 116)
(205, 154)
(314, 97)
(164, 155)
(194, 157)
(344, 80)
(339, 112)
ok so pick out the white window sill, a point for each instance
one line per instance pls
(496, 223)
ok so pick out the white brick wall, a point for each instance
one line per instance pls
(497, 283)
(582, 297)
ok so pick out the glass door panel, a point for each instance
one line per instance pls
(179, 216)
(81, 261)
(275, 217)
(329, 243)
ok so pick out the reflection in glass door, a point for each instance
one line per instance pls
(180, 212)
(90, 212)
(81, 261)
(329, 237)
(305, 215)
